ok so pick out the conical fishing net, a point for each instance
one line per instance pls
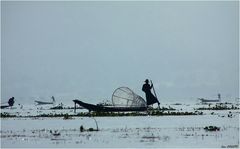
(125, 97)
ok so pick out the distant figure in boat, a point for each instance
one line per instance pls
(151, 99)
(10, 103)
(210, 100)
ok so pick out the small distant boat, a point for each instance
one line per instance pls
(210, 100)
(45, 103)
(10, 103)
(3, 107)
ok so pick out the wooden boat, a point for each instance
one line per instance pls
(45, 103)
(4, 106)
(99, 108)
(210, 100)
(123, 100)
(10, 103)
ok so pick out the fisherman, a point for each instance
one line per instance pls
(151, 99)
(11, 101)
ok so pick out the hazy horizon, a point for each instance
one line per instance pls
(86, 50)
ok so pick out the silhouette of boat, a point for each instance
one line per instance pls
(123, 100)
(210, 100)
(4, 106)
(45, 103)
(10, 103)
(99, 108)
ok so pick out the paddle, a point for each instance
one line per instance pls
(155, 95)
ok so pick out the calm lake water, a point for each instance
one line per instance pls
(140, 131)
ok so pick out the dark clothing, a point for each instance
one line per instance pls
(151, 99)
(11, 101)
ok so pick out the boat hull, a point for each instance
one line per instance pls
(98, 108)
(3, 107)
(43, 103)
(208, 100)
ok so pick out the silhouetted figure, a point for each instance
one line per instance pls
(151, 99)
(11, 101)
(53, 98)
(219, 96)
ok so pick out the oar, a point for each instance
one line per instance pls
(155, 95)
(75, 106)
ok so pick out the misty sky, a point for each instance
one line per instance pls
(86, 50)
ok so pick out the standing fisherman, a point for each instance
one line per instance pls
(151, 99)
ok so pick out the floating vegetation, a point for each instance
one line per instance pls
(57, 108)
(82, 129)
(161, 113)
(230, 114)
(113, 114)
(220, 106)
(169, 108)
(67, 116)
(52, 115)
(212, 128)
(6, 115)
(60, 107)
(152, 137)
(230, 146)
(151, 113)
(55, 133)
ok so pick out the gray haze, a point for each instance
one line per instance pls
(86, 50)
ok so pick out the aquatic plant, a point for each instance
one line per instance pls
(82, 129)
(5, 115)
(66, 116)
(220, 106)
(211, 128)
(55, 133)
(57, 108)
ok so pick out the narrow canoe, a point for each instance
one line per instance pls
(98, 108)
